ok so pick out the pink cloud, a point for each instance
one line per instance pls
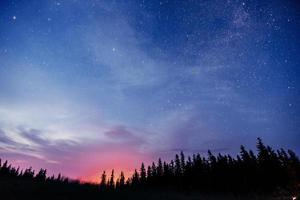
(85, 160)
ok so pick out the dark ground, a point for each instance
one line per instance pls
(13, 190)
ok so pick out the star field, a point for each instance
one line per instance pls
(131, 81)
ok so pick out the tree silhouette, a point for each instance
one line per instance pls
(246, 173)
(143, 174)
(111, 183)
(265, 171)
(103, 182)
(41, 176)
(122, 180)
(177, 166)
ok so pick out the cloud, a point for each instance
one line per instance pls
(34, 135)
(5, 139)
(121, 134)
(119, 149)
(103, 100)
(31, 143)
(116, 48)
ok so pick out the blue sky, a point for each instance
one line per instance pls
(148, 77)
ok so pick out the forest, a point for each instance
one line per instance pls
(262, 174)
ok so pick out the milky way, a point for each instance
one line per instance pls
(94, 85)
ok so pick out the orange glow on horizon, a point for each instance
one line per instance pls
(96, 177)
(88, 164)
(94, 162)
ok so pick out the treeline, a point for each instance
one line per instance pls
(28, 184)
(265, 171)
(248, 172)
(7, 172)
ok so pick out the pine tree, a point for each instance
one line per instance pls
(122, 180)
(177, 166)
(103, 183)
(41, 175)
(149, 174)
(111, 181)
(153, 170)
(182, 162)
(143, 174)
(159, 169)
(135, 178)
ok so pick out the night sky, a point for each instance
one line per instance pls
(91, 85)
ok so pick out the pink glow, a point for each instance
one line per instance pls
(87, 163)
(92, 166)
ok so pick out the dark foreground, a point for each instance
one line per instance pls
(267, 174)
(30, 190)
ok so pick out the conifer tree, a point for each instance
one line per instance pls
(103, 180)
(177, 166)
(143, 174)
(122, 180)
(159, 169)
(111, 181)
(135, 178)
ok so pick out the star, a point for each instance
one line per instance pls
(150, 62)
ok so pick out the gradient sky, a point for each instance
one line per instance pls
(91, 85)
